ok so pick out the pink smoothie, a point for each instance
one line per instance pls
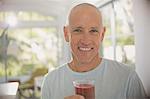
(86, 90)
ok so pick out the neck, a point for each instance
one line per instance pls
(84, 67)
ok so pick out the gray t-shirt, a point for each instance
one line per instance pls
(113, 80)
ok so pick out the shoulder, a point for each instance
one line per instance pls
(117, 67)
(134, 86)
(52, 75)
(57, 70)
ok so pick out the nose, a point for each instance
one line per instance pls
(85, 40)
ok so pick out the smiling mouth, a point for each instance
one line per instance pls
(85, 48)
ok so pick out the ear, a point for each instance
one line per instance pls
(103, 33)
(66, 33)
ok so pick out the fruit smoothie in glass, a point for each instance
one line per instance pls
(85, 88)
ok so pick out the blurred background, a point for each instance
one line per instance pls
(32, 42)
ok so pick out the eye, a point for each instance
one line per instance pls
(77, 30)
(94, 31)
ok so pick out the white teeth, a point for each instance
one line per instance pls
(85, 49)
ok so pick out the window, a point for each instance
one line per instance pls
(29, 48)
(118, 43)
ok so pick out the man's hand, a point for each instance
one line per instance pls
(75, 97)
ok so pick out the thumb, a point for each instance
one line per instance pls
(81, 97)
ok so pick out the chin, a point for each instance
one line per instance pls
(84, 61)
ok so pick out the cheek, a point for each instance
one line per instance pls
(73, 44)
(74, 40)
(97, 43)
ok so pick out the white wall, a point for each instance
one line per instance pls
(141, 10)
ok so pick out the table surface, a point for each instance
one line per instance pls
(8, 90)
(8, 97)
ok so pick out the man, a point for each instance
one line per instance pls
(85, 33)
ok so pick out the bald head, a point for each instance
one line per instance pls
(85, 34)
(85, 9)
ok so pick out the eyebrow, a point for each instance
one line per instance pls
(94, 27)
(79, 27)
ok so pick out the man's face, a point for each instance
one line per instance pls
(85, 34)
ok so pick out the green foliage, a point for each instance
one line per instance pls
(2, 72)
(31, 45)
(26, 59)
(125, 40)
(107, 42)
